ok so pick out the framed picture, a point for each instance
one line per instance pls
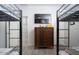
(42, 18)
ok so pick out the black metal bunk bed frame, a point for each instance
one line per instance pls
(68, 19)
(13, 19)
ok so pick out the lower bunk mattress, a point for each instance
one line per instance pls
(7, 51)
(70, 51)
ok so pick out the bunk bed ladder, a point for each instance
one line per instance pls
(12, 38)
(68, 38)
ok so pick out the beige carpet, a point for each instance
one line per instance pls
(31, 51)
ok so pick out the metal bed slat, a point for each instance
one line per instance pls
(71, 16)
(6, 17)
(10, 11)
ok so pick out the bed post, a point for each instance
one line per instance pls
(20, 32)
(57, 46)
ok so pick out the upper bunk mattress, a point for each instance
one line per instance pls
(71, 14)
(9, 13)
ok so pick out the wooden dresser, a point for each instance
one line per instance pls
(44, 37)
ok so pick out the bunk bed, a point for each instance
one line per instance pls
(11, 13)
(69, 14)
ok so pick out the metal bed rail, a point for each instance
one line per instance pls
(66, 10)
(10, 9)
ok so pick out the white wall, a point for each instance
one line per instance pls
(25, 31)
(74, 35)
(30, 10)
(2, 34)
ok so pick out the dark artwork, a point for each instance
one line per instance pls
(42, 18)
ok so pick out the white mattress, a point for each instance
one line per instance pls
(76, 48)
(14, 53)
(5, 51)
(63, 53)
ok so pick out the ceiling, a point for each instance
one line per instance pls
(24, 5)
